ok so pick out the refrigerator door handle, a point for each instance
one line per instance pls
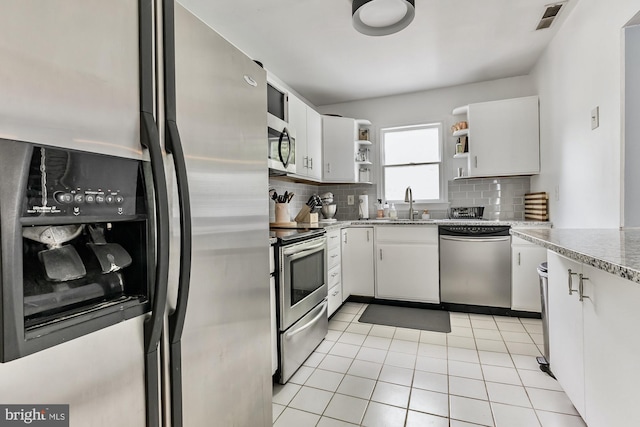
(173, 145)
(150, 139)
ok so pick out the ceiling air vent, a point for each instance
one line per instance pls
(549, 15)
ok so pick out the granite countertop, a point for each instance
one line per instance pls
(512, 223)
(612, 250)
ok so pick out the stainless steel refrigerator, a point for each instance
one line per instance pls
(148, 81)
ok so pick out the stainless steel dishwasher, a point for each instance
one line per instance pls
(475, 265)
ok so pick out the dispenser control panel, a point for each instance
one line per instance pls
(72, 183)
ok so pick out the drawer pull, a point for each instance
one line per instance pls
(335, 293)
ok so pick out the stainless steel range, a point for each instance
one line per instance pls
(301, 296)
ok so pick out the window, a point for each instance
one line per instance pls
(412, 156)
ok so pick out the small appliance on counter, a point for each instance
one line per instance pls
(328, 208)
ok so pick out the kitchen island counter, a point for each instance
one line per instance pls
(612, 250)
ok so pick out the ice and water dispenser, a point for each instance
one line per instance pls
(75, 244)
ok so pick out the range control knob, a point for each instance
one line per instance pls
(63, 197)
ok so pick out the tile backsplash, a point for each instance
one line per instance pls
(502, 198)
(344, 211)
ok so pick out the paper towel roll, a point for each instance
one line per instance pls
(363, 208)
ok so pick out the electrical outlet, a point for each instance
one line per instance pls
(595, 118)
(351, 199)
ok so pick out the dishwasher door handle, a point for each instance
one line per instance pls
(476, 239)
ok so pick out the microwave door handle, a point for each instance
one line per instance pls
(284, 133)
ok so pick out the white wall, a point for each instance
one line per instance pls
(582, 69)
(430, 106)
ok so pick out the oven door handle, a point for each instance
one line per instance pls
(291, 334)
(475, 239)
(295, 253)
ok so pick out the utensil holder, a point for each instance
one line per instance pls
(282, 212)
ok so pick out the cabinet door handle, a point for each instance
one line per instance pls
(476, 161)
(345, 237)
(570, 281)
(581, 287)
(305, 162)
(334, 274)
(310, 163)
(367, 235)
(380, 254)
(328, 167)
(519, 258)
(335, 293)
(334, 256)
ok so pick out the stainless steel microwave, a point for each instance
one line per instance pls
(282, 153)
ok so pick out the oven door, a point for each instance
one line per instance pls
(303, 281)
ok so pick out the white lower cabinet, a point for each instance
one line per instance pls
(611, 349)
(566, 349)
(594, 343)
(525, 283)
(357, 262)
(407, 264)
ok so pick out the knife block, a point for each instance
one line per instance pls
(305, 215)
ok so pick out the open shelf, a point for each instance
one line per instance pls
(364, 142)
(461, 156)
(461, 132)
(461, 110)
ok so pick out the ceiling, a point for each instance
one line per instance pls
(312, 46)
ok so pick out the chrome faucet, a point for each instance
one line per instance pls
(408, 197)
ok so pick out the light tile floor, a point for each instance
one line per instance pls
(483, 373)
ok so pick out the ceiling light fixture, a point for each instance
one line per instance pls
(382, 17)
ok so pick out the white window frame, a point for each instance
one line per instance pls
(443, 188)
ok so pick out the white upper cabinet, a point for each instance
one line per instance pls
(306, 126)
(346, 150)
(314, 144)
(503, 137)
(338, 149)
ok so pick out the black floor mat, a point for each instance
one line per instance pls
(406, 317)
